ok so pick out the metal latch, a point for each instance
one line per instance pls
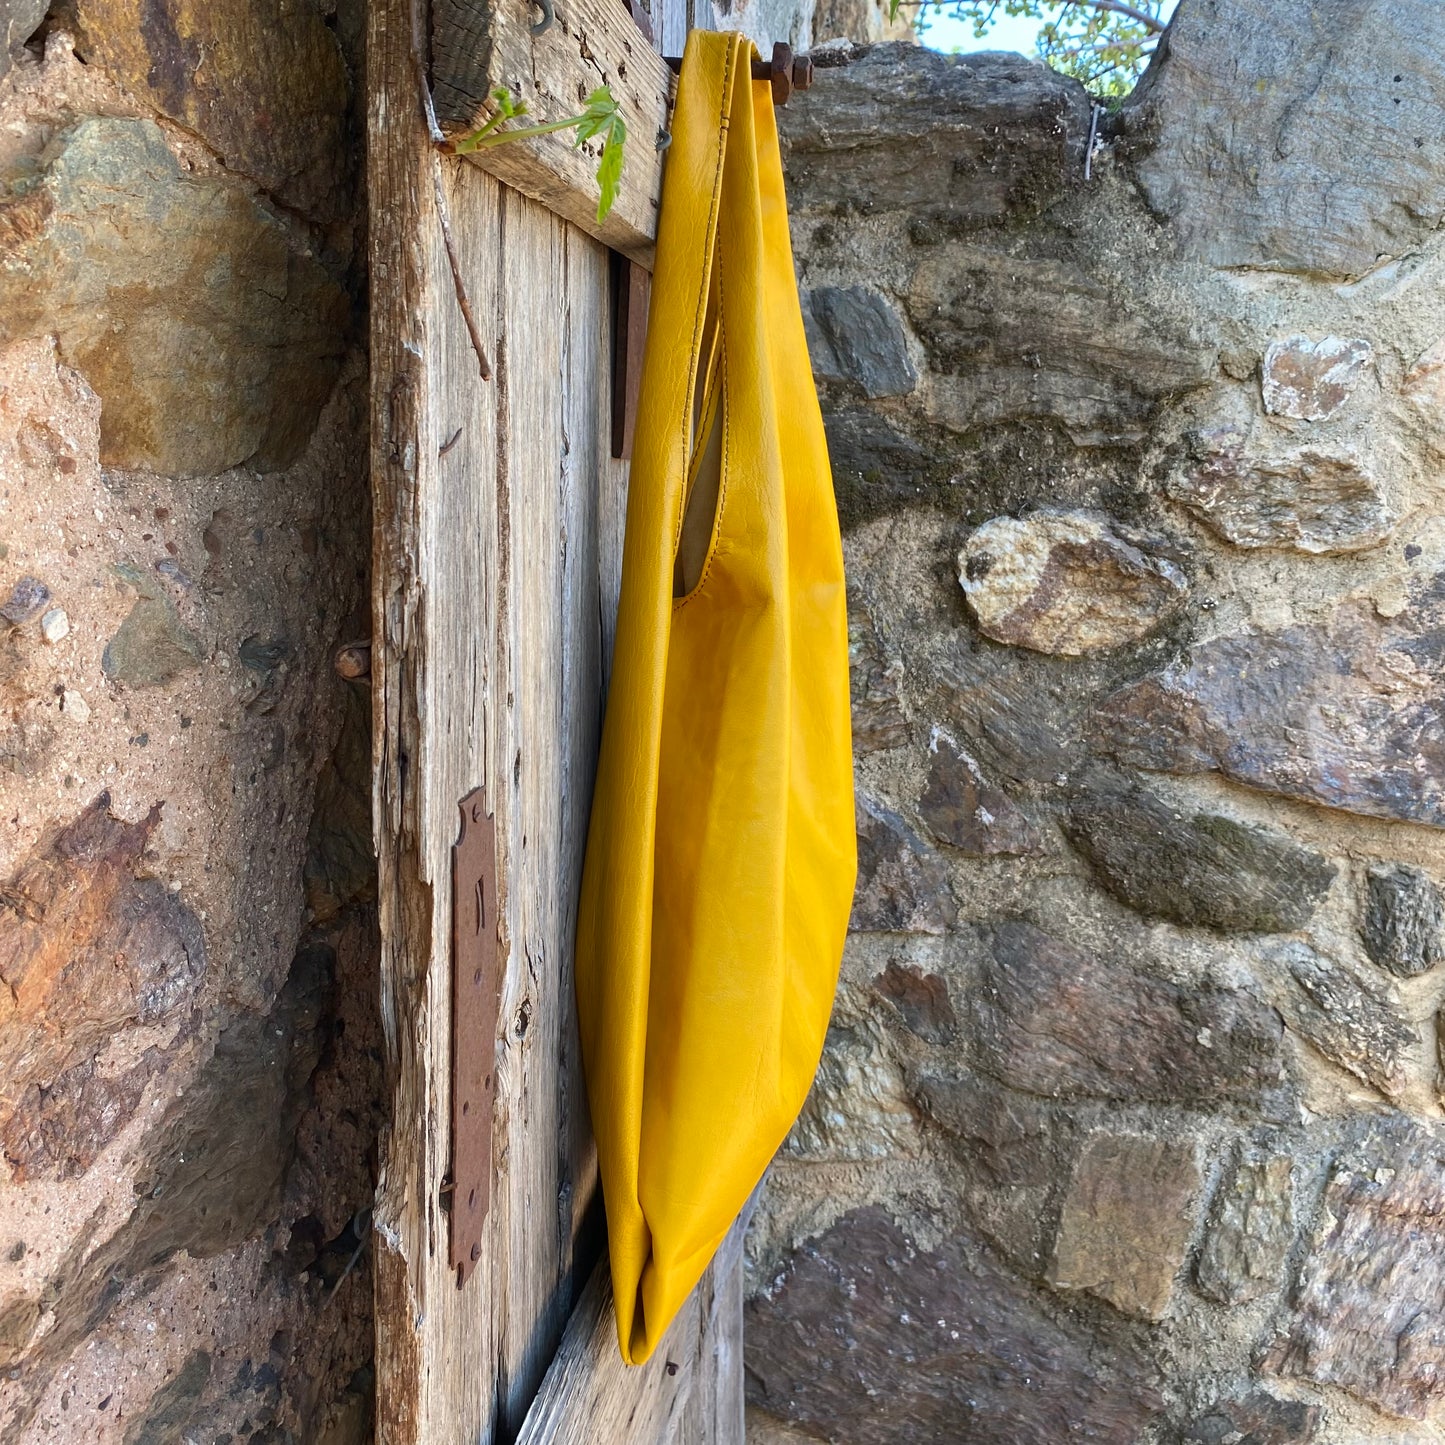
(476, 1000)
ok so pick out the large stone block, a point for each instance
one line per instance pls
(1308, 500)
(1067, 582)
(870, 1339)
(1061, 1022)
(210, 337)
(1311, 380)
(1354, 1022)
(1346, 714)
(262, 82)
(1250, 1229)
(1013, 337)
(1404, 923)
(1196, 868)
(967, 139)
(854, 335)
(1331, 165)
(1368, 1314)
(1127, 1220)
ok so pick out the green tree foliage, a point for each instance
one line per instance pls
(1104, 43)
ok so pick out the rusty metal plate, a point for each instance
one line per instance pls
(476, 987)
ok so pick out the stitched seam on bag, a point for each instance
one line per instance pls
(724, 120)
(715, 538)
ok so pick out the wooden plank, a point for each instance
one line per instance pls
(478, 45)
(433, 430)
(689, 1393)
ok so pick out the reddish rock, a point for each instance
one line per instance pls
(1312, 380)
(1061, 1022)
(1368, 1314)
(1347, 715)
(86, 950)
(962, 809)
(902, 883)
(1127, 1221)
(57, 1132)
(922, 999)
(873, 1340)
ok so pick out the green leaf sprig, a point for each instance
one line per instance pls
(601, 116)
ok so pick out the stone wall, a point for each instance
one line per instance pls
(1128, 1127)
(188, 1042)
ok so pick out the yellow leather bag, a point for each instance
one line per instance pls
(721, 852)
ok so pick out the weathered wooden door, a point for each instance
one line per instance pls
(498, 530)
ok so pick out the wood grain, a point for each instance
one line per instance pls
(689, 1393)
(496, 565)
(477, 47)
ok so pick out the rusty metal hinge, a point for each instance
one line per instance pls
(476, 1000)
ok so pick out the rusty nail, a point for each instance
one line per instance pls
(353, 662)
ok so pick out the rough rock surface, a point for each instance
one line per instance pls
(212, 337)
(19, 20)
(858, 1107)
(1311, 380)
(1355, 1023)
(1344, 714)
(1196, 956)
(1309, 500)
(1282, 184)
(1404, 923)
(1039, 338)
(1258, 1419)
(1127, 1220)
(1066, 582)
(902, 886)
(953, 1344)
(88, 953)
(1014, 1153)
(971, 138)
(1367, 1313)
(855, 335)
(1056, 1020)
(961, 808)
(1201, 869)
(1250, 1229)
(876, 684)
(211, 68)
(190, 1062)
(922, 999)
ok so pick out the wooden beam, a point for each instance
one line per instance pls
(477, 46)
(689, 1393)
